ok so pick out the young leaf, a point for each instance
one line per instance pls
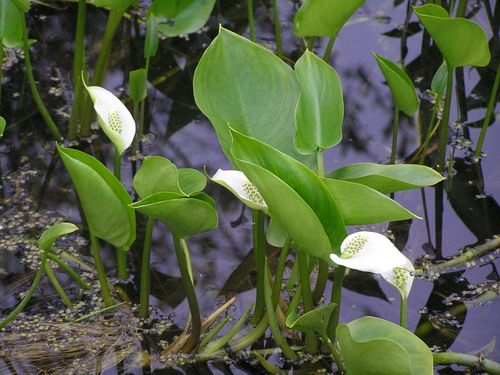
(137, 85)
(53, 233)
(315, 320)
(235, 82)
(375, 346)
(11, 34)
(461, 41)
(296, 197)
(183, 216)
(369, 207)
(320, 110)
(388, 178)
(438, 84)
(2, 126)
(152, 38)
(104, 199)
(323, 17)
(181, 16)
(401, 86)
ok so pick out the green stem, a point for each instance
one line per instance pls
(294, 303)
(310, 43)
(338, 280)
(101, 274)
(489, 112)
(491, 367)
(78, 64)
(145, 275)
(121, 256)
(57, 286)
(114, 19)
(117, 165)
(251, 23)
(69, 270)
(277, 28)
(335, 354)
(443, 130)
(31, 79)
(142, 108)
(30, 292)
(395, 129)
(319, 288)
(188, 284)
(134, 141)
(273, 322)
(402, 312)
(278, 279)
(259, 248)
(328, 49)
(430, 129)
(311, 338)
(1, 70)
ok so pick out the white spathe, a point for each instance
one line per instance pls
(114, 117)
(373, 252)
(241, 187)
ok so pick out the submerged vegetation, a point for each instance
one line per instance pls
(277, 117)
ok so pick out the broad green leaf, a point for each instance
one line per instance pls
(22, 5)
(296, 197)
(388, 178)
(461, 41)
(239, 83)
(157, 174)
(120, 5)
(2, 126)
(11, 34)
(152, 38)
(401, 86)
(191, 181)
(374, 346)
(323, 17)
(439, 81)
(104, 199)
(315, 320)
(276, 234)
(181, 16)
(369, 207)
(183, 216)
(320, 110)
(53, 233)
(137, 85)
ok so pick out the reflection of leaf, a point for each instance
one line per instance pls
(411, 29)
(243, 277)
(364, 283)
(167, 288)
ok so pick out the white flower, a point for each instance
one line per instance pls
(239, 185)
(373, 252)
(114, 117)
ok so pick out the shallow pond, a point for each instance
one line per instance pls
(37, 191)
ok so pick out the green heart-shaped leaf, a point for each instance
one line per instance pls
(191, 181)
(375, 346)
(53, 233)
(315, 320)
(320, 110)
(183, 216)
(461, 41)
(369, 207)
(177, 17)
(323, 17)
(401, 86)
(296, 197)
(388, 178)
(242, 84)
(104, 199)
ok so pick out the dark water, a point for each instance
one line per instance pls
(179, 132)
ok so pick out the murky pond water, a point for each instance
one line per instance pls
(36, 192)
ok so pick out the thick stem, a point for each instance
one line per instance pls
(114, 19)
(328, 49)
(259, 248)
(319, 288)
(402, 312)
(188, 284)
(338, 280)
(489, 112)
(251, 23)
(491, 367)
(121, 256)
(311, 338)
(277, 28)
(145, 275)
(278, 279)
(101, 274)
(78, 64)
(34, 90)
(395, 129)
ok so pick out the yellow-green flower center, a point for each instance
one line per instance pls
(354, 246)
(400, 276)
(115, 122)
(252, 192)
